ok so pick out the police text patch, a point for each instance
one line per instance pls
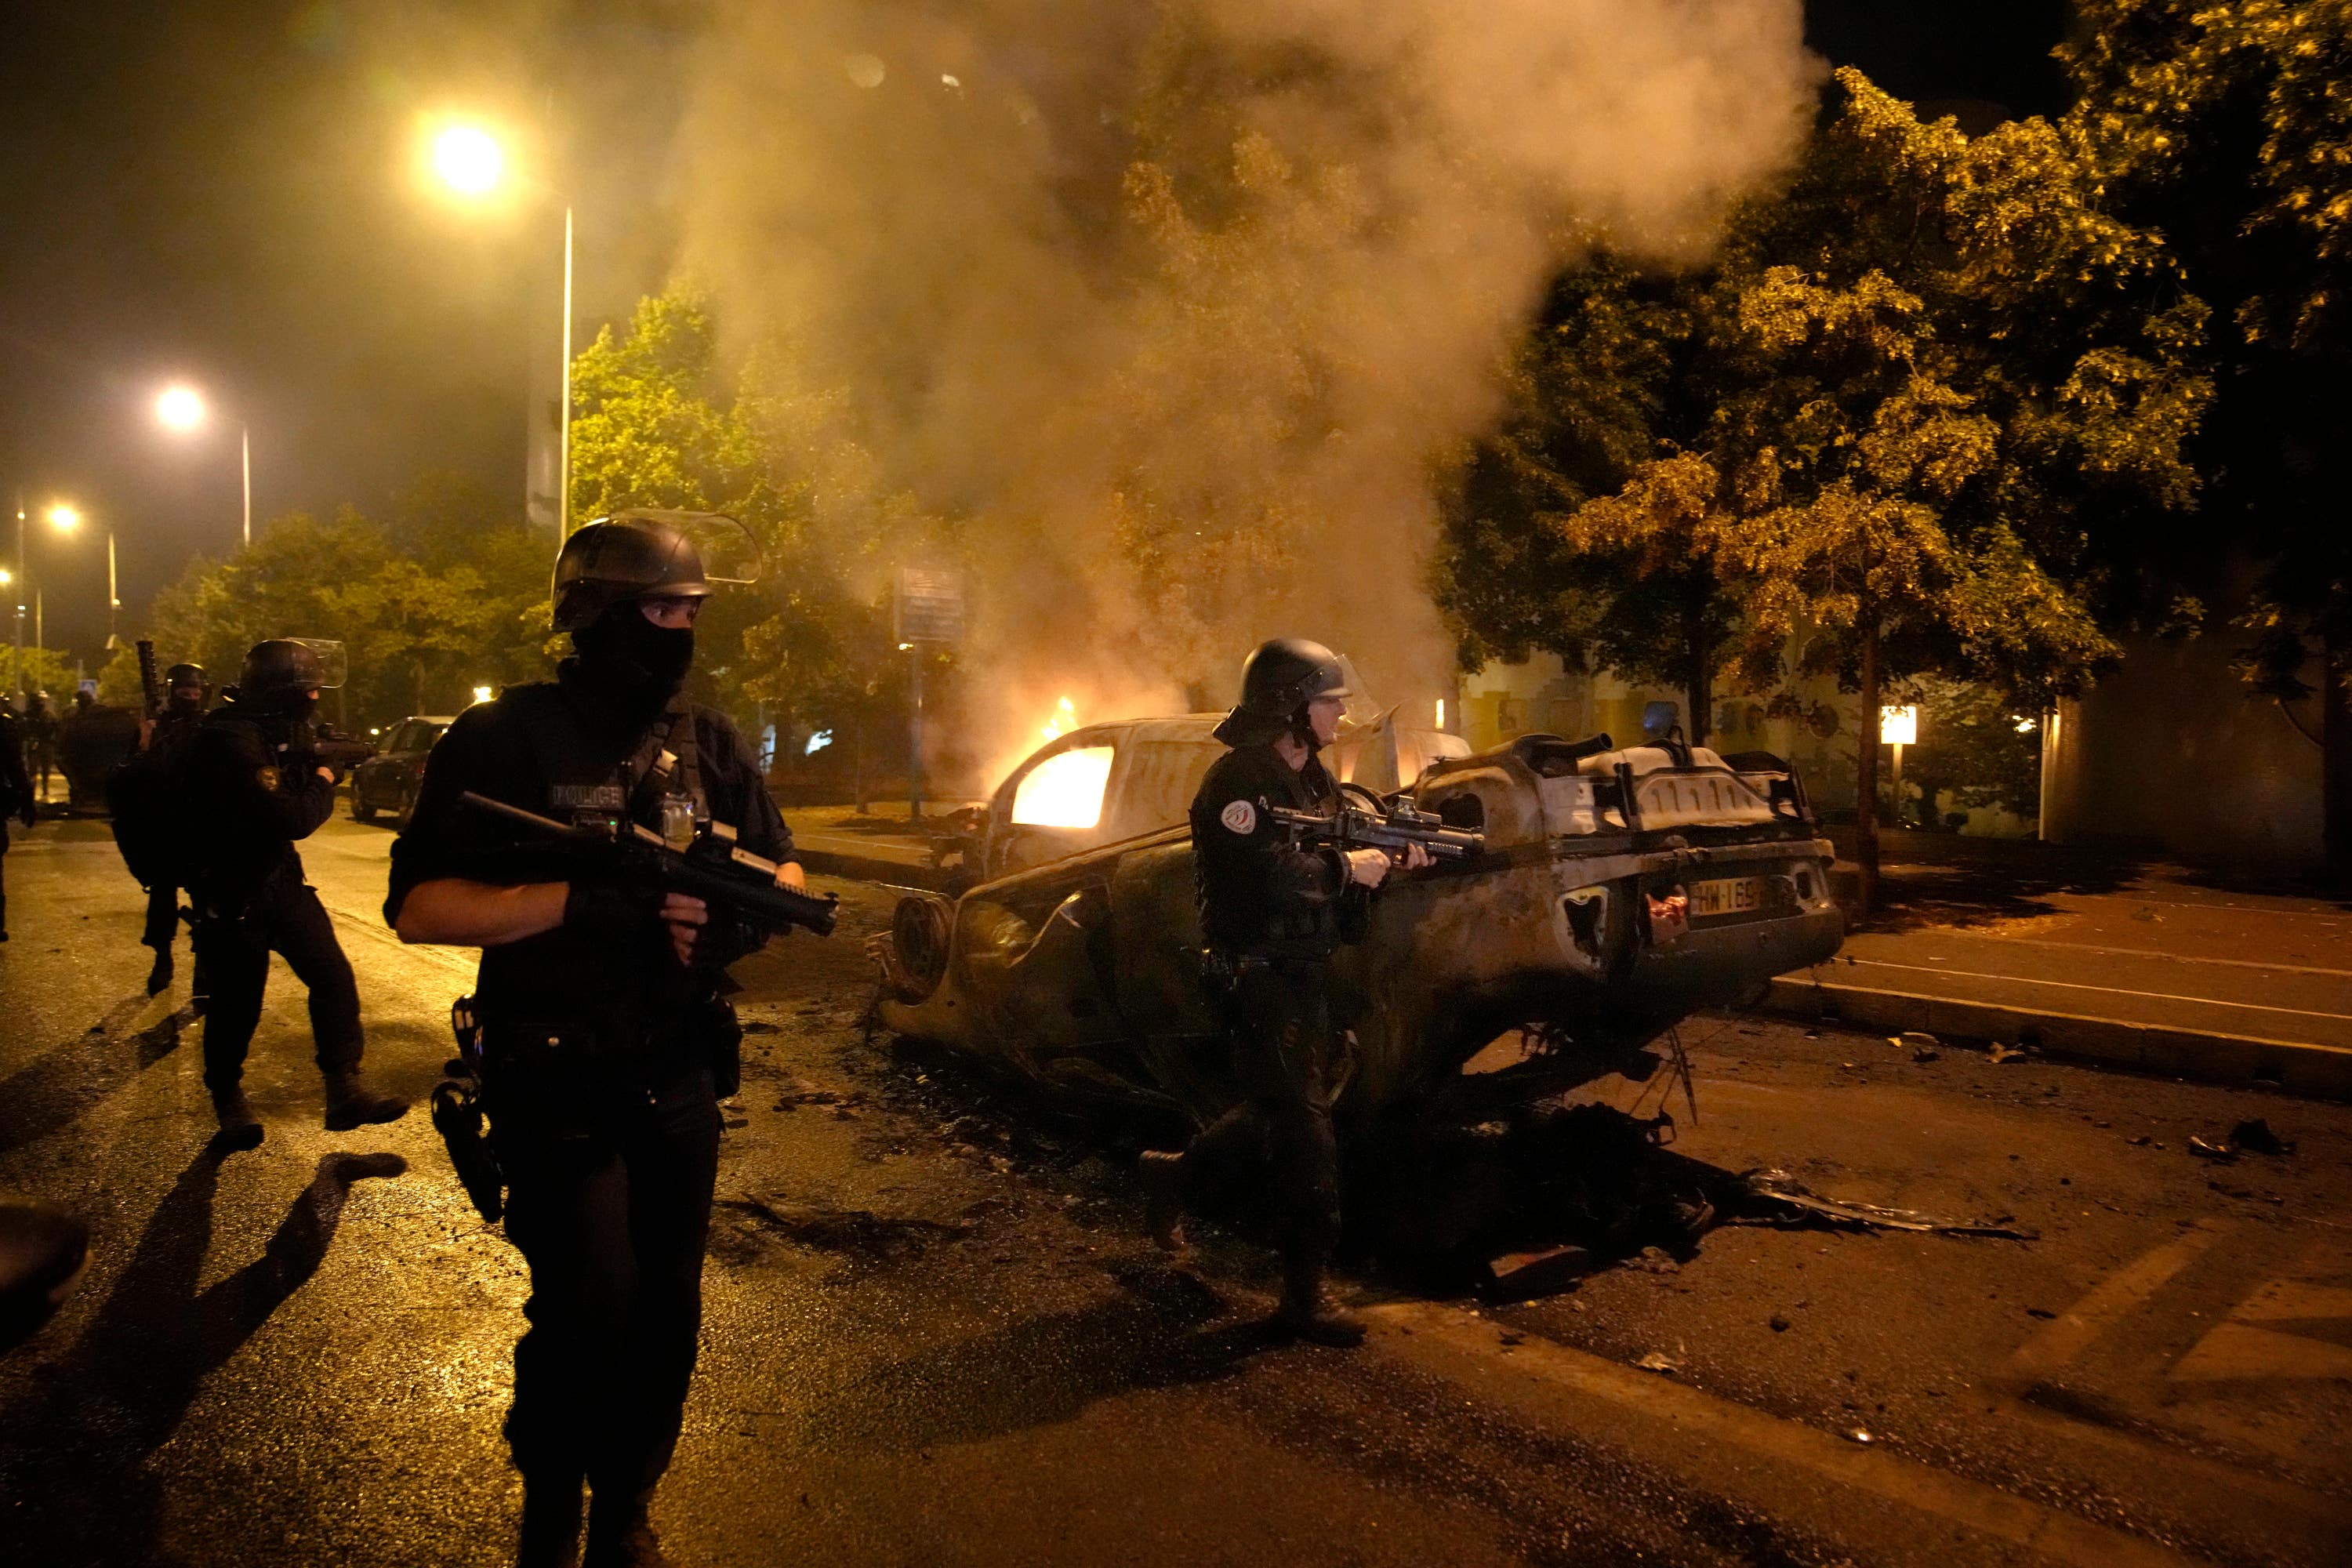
(1239, 816)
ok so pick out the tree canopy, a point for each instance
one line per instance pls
(1906, 425)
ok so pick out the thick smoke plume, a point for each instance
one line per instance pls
(1183, 311)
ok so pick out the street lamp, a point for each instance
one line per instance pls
(181, 409)
(468, 161)
(65, 518)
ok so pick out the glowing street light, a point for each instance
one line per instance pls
(66, 518)
(180, 408)
(483, 694)
(469, 160)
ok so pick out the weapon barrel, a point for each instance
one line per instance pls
(745, 883)
(515, 814)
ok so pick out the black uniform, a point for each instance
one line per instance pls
(598, 1048)
(15, 797)
(167, 745)
(1274, 914)
(252, 792)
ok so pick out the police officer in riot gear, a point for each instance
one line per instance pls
(601, 1020)
(252, 789)
(1274, 914)
(165, 741)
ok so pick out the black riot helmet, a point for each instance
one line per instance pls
(1279, 678)
(612, 559)
(184, 677)
(278, 670)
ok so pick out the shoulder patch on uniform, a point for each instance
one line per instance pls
(1239, 816)
(269, 777)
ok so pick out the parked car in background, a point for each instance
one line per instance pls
(388, 781)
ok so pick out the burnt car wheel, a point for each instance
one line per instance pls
(918, 957)
(360, 810)
(407, 811)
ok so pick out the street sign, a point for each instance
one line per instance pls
(928, 607)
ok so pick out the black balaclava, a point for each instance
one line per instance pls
(640, 665)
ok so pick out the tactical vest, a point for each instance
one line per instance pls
(657, 784)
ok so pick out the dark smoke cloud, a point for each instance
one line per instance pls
(1184, 310)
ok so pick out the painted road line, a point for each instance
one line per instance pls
(2231, 1353)
(2138, 953)
(2124, 1291)
(2103, 990)
(1407, 1329)
(2303, 1316)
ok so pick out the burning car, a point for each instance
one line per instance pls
(1619, 890)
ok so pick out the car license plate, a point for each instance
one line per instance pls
(1734, 896)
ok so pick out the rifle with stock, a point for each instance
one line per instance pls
(731, 879)
(1372, 826)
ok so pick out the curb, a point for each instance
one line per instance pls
(2297, 1067)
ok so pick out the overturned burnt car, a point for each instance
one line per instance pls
(1618, 891)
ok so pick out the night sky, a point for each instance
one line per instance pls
(226, 194)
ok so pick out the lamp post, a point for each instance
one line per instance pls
(66, 518)
(16, 659)
(468, 161)
(180, 408)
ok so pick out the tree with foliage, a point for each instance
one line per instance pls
(1975, 747)
(658, 421)
(418, 634)
(1904, 427)
(2226, 125)
(1543, 551)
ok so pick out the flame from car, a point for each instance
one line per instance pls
(1065, 720)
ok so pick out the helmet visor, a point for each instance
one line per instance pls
(729, 552)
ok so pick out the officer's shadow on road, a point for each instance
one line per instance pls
(76, 1458)
(60, 1084)
(1165, 1329)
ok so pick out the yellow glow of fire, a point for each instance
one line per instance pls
(1066, 789)
(1065, 720)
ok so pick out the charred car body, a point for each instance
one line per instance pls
(1619, 890)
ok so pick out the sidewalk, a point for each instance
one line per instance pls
(2150, 966)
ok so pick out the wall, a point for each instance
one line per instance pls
(2170, 753)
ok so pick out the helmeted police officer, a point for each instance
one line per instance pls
(1274, 913)
(601, 1019)
(165, 741)
(252, 789)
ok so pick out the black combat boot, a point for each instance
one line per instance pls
(350, 1103)
(619, 1533)
(1163, 1196)
(550, 1524)
(240, 1127)
(1308, 1311)
(159, 977)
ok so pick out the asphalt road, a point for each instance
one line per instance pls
(935, 1334)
